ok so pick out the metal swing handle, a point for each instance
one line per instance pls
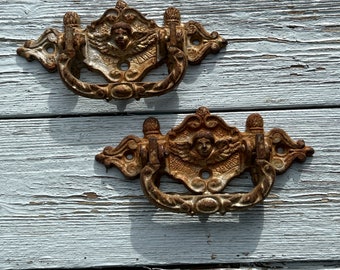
(122, 46)
(204, 154)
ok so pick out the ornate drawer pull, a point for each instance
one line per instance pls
(122, 46)
(204, 154)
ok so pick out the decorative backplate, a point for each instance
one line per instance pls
(122, 46)
(204, 154)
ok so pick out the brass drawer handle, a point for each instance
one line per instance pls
(204, 154)
(122, 46)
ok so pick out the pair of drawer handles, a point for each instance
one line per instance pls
(203, 153)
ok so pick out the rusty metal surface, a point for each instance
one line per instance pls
(122, 46)
(204, 154)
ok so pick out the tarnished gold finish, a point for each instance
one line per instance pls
(122, 46)
(204, 154)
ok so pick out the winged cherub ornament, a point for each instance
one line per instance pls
(122, 46)
(204, 149)
(204, 154)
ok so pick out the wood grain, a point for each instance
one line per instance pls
(280, 55)
(61, 209)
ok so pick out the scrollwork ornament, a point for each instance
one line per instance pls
(122, 46)
(204, 154)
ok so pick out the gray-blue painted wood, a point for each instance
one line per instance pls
(59, 208)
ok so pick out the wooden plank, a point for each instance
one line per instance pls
(60, 208)
(283, 54)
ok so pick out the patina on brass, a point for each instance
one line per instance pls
(204, 154)
(122, 46)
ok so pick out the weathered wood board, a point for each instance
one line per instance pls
(60, 208)
(285, 54)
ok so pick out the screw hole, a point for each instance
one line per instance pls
(196, 42)
(49, 49)
(280, 150)
(124, 66)
(129, 156)
(205, 174)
